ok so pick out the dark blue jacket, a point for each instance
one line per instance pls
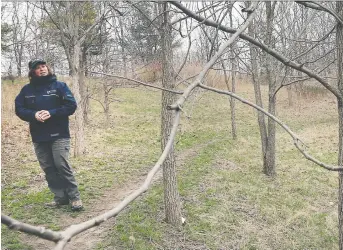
(46, 93)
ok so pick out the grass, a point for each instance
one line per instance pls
(227, 202)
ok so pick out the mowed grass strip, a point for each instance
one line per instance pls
(227, 201)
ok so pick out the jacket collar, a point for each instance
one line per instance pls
(43, 80)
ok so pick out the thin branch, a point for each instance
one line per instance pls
(185, 80)
(296, 139)
(64, 236)
(26, 228)
(186, 56)
(139, 82)
(78, 228)
(301, 78)
(102, 105)
(96, 22)
(318, 6)
(144, 15)
(322, 56)
(264, 47)
(198, 12)
(314, 46)
(178, 104)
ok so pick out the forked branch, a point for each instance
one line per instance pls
(62, 237)
(286, 61)
(296, 139)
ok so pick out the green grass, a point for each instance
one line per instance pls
(10, 240)
(227, 201)
(250, 210)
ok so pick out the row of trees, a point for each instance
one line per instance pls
(286, 43)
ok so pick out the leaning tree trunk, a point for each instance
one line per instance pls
(339, 44)
(171, 195)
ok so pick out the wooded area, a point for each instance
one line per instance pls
(297, 46)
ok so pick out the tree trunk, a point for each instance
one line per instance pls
(233, 84)
(107, 91)
(257, 89)
(79, 132)
(340, 174)
(171, 195)
(290, 95)
(339, 44)
(83, 87)
(269, 161)
(123, 52)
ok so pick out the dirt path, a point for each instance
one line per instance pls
(87, 240)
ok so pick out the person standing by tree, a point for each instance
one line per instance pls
(46, 104)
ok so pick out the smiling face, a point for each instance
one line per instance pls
(41, 70)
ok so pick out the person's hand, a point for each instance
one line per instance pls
(38, 116)
(45, 115)
(42, 115)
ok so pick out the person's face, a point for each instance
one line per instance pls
(41, 70)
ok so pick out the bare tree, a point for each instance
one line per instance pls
(233, 82)
(335, 90)
(66, 18)
(269, 154)
(171, 195)
(63, 237)
(20, 20)
(339, 44)
(256, 78)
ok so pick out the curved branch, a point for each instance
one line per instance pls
(270, 51)
(185, 80)
(139, 82)
(293, 135)
(186, 56)
(314, 46)
(26, 228)
(318, 6)
(102, 105)
(178, 104)
(78, 228)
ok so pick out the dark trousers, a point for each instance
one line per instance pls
(53, 158)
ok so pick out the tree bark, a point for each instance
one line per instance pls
(340, 174)
(257, 90)
(269, 161)
(339, 44)
(79, 132)
(171, 195)
(123, 52)
(83, 86)
(233, 84)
